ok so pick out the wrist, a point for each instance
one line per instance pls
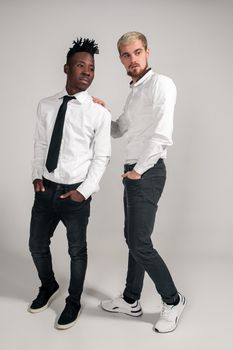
(135, 172)
(80, 194)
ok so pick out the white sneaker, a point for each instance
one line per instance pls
(120, 305)
(169, 316)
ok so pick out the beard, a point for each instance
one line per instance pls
(137, 73)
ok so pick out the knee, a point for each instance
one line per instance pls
(38, 248)
(37, 252)
(141, 251)
(77, 252)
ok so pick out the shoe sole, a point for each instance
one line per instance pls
(68, 325)
(35, 311)
(178, 318)
(122, 311)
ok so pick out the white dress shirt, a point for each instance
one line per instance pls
(147, 120)
(85, 147)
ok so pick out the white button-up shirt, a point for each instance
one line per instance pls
(147, 120)
(85, 147)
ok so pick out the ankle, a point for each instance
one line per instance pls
(128, 300)
(176, 302)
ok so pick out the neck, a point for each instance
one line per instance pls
(72, 90)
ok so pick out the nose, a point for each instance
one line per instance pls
(86, 72)
(133, 57)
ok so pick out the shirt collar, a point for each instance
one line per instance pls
(146, 74)
(80, 96)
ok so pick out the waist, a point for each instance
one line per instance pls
(55, 185)
(129, 167)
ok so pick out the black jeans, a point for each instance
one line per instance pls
(47, 211)
(140, 204)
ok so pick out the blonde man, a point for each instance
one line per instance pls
(147, 121)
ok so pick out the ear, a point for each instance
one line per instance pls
(148, 52)
(66, 68)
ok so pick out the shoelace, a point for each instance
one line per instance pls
(166, 312)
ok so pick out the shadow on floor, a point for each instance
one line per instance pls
(18, 280)
(99, 312)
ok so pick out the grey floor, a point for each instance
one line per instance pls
(206, 322)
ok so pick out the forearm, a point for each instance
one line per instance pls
(91, 184)
(161, 129)
(119, 127)
(149, 157)
(40, 146)
(115, 130)
(38, 162)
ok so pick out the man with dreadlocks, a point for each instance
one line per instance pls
(71, 152)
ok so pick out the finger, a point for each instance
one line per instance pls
(37, 187)
(65, 195)
(98, 100)
(42, 189)
(124, 175)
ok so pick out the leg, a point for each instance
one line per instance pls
(43, 224)
(135, 273)
(75, 218)
(142, 198)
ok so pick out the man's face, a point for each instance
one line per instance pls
(80, 71)
(135, 58)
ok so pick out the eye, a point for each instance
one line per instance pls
(125, 55)
(80, 65)
(138, 52)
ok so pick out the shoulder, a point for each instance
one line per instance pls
(50, 99)
(162, 81)
(101, 112)
(163, 86)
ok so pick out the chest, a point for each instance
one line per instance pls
(79, 120)
(139, 107)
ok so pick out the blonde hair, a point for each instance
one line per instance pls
(130, 37)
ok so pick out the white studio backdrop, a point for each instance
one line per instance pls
(190, 41)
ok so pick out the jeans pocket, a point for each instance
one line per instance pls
(75, 202)
(41, 194)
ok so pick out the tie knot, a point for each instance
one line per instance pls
(67, 98)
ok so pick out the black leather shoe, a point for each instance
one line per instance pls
(43, 299)
(69, 316)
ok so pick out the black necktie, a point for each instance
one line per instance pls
(55, 143)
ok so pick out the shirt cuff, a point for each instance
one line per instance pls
(140, 169)
(86, 190)
(37, 174)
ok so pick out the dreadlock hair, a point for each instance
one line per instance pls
(82, 45)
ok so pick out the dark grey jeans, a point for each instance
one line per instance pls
(47, 211)
(140, 204)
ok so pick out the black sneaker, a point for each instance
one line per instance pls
(69, 316)
(43, 299)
